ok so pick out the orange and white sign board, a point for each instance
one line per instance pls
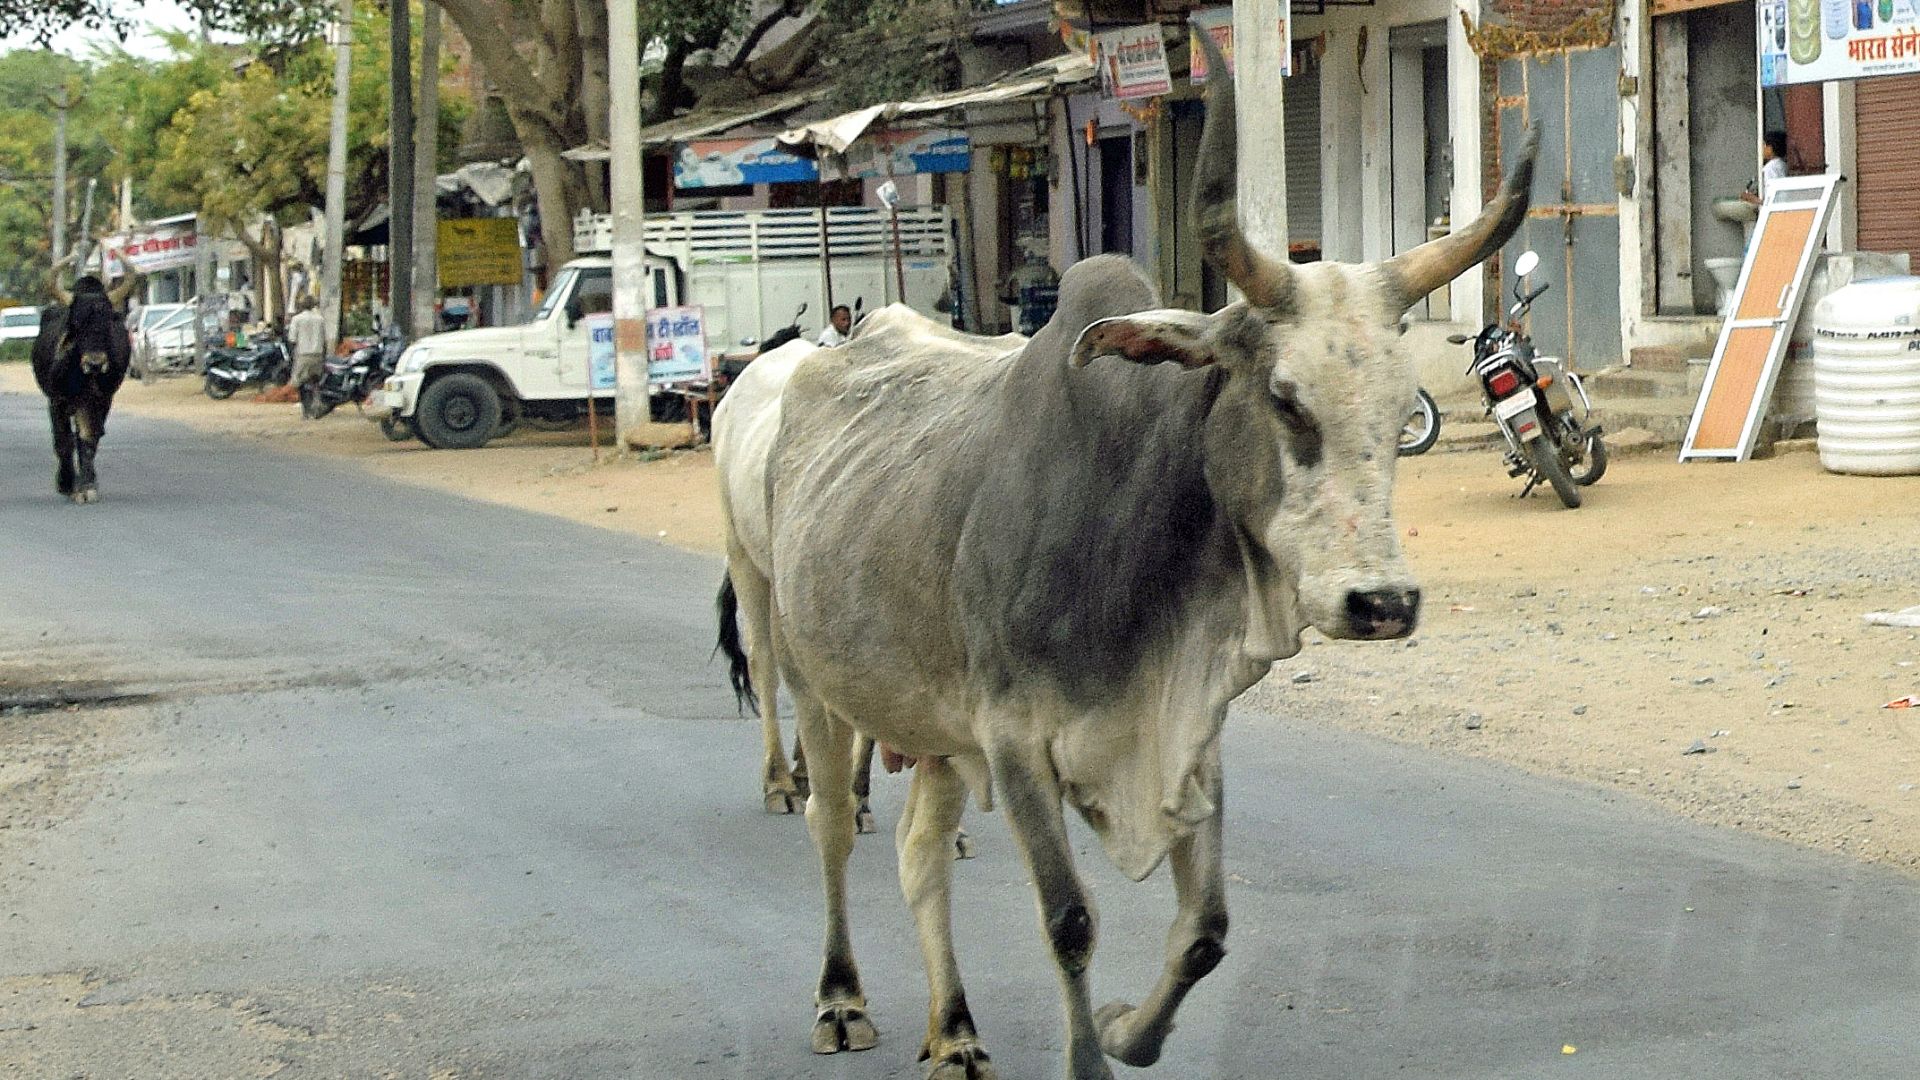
(1793, 219)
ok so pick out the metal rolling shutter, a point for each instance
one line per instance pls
(1887, 164)
(1302, 106)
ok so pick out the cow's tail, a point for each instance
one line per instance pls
(738, 672)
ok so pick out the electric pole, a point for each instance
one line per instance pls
(336, 215)
(400, 182)
(1258, 60)
(60, 106)
(426, 156)
(630, 401)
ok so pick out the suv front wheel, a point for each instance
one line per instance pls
(458, 411)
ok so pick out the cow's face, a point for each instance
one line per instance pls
(1301, 442)
(92, 323)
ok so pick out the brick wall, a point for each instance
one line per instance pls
(1543, 16)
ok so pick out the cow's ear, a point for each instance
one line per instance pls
(1150, 337)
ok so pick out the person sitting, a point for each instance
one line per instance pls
(839, 326)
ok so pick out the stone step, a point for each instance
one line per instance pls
(1635, 382)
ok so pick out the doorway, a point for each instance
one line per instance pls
(1422, 144)
(1116, 194)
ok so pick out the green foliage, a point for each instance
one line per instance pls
(256, 20)
(889, 49)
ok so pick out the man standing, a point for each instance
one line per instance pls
(840, 324)
(307, 333)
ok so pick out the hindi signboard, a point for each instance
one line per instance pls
(1219, 23)
(478, 251)
(1133, 62)
(152, 251)
(1804, 41)
(601, 373)
(676, 345)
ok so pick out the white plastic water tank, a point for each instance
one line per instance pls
(1793, 393)
(1866, 377)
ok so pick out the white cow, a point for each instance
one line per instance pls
(1046, 575)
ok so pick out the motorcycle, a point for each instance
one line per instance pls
(732, 364)
(266, 362)
(1422, 429)
(353, 377)
(1538, 404)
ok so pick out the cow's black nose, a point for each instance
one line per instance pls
(1383, 613)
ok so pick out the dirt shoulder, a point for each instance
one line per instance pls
(1713, 603)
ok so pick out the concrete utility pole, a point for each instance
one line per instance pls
(336, 215)
(629, 219)
(61, 104)
(426, 157)
(400, 164)
(202, 256)
(1257, 63)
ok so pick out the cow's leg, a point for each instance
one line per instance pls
(863, 783)
(62, 446)
(87, 419)
(925, 841)
(840, 1019)
(755, 596)
(1032, 795)
(800, 778)
(1195, 943)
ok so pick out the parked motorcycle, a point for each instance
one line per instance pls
(351, 378)
(1538, 404)
(1422, 429)
(732, 364)
(266, 362)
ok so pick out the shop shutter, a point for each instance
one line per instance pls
(1302, 105)
(1886, 166)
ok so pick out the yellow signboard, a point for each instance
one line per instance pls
(479, 251)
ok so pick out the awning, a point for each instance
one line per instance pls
(836, 133)
(706, 122)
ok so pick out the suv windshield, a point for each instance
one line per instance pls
(562, 284)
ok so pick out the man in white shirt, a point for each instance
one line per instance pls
(839, 326)
(1773, 159)
(307, 334)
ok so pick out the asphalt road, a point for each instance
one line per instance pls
(408, 785)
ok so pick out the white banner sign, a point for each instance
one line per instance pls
(676, 345)
(151, 251)
(1133, 62)
(600, 353)
(1219, 23)
(1804, 41)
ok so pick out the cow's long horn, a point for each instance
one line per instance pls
(119, 293)
(1413, 274)
(53, 279)
(1266, 281)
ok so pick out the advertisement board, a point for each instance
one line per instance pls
(1133, 62)
(731, 162)
(676, 345)
(1804, 41)
(600, 355)
(478, 251)
(1219, 23)
(151, 251)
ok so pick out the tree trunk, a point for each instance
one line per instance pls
(558, 185)
(595, 96)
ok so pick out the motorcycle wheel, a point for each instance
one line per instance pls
(396, 429)
(219, 390)
(1423, 426)
(1546, 465)
(1593, 462)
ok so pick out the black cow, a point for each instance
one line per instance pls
(79, 360)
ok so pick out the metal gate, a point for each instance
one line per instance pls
(1887, 182)
(1574, 220)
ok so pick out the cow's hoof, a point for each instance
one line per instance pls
(88, 494)
(785, 802)
(959, 1059)
(1122, 1036)
(863, 819)
(843, 1027)
(962, 845)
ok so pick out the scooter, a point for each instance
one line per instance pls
(1422, 429)
(353, 377)
(1539, 405)
(266, 362)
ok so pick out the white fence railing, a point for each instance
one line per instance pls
(748, 235)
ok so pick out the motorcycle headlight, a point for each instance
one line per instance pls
(414, 359)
